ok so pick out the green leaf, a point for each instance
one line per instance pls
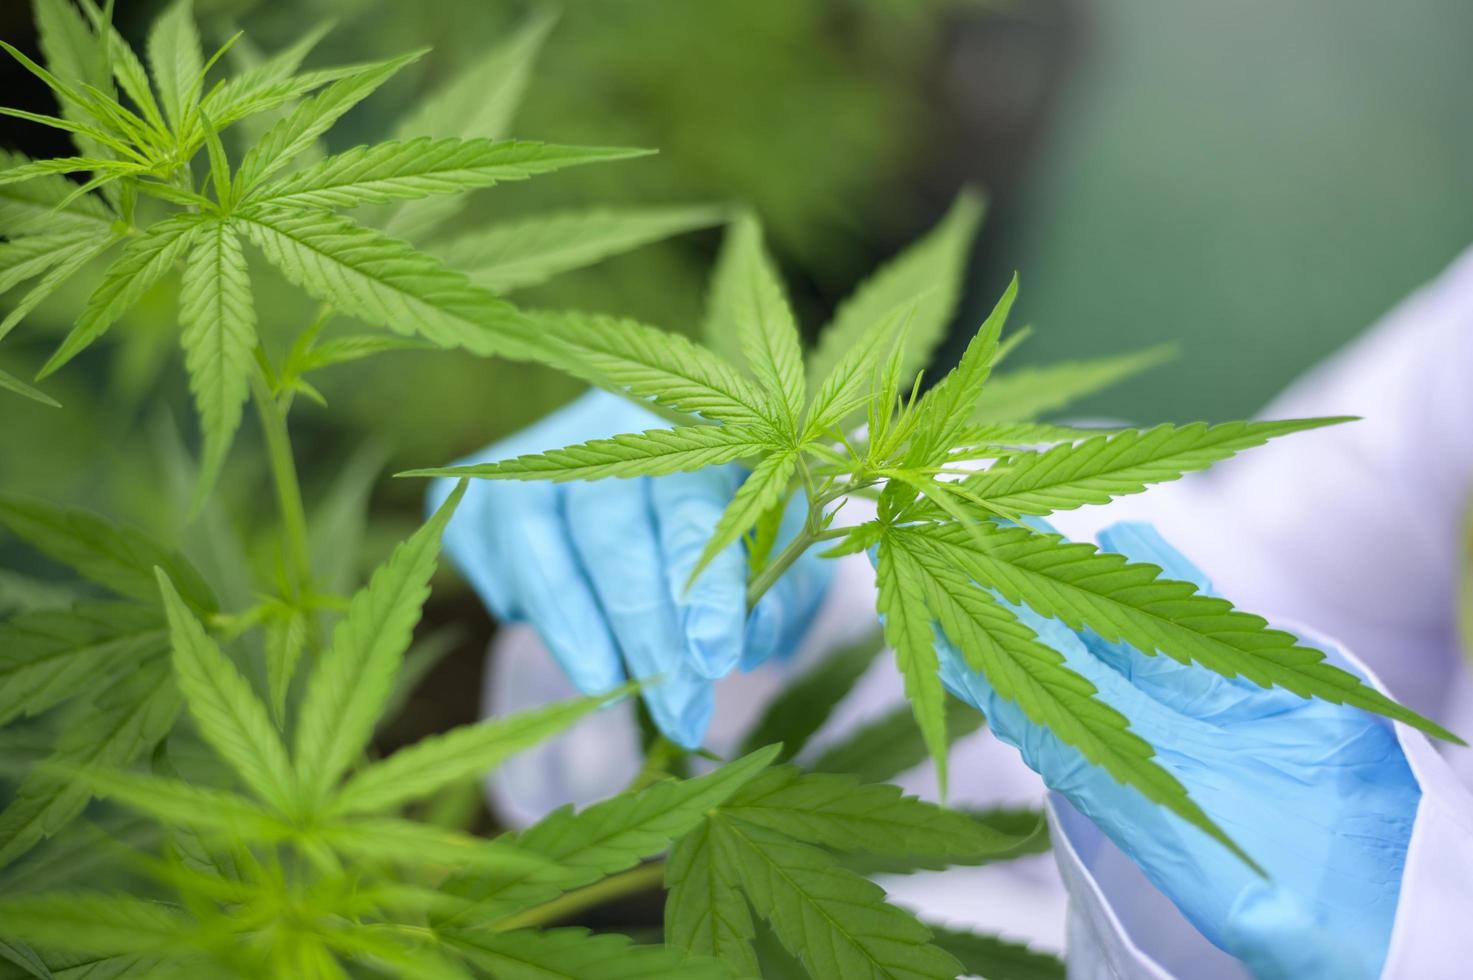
(892, 744)
(270, 82)
(286, 641)
(1027, 393)
(11, 383)
(837, 811)
(70, 261)
(23, 258)
(834, 920)
(95, 922)
(51, 655)
(174, 54)
(477, 102)
(1027, 828)
(438, 761)
(1026, 672)
(71, 50)
(527, 252)
(749, 312)
(144, 261)
(356, 347)
(654, 453)
(356, 673)
(219, 341)
(127, 720)
(847, 387)
(229, 715)
(407, 843)
(1100, 468)
(386, 282)
(577, 954)
(908, 630)
(930, 273)
(943, 411)
(31, 208)
(705, 911)
(759, 492)
(997, 958)
(126, 67)
(1123, 602)
(112, 555)
(607, 837)
(299, 131)
(408, 169)
(24, 957)
(666, 368)
(179, 804)
(806, 702)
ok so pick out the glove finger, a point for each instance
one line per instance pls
(469, 540)
(546, 587)
(713, 611)
(1189, 689)
(783, 614)
(612, 524)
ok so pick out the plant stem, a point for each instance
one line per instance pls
(288, 487)
(615, 886)
(765, 579)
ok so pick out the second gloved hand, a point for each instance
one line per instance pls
(600, 569)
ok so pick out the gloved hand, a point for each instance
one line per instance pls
(1320, 795)
(600, 569)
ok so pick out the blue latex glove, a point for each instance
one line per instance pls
(1319, 794)
(600, 569)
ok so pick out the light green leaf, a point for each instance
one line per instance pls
(286, 641)
(1022, 435)
(837, 811)
(943, 411)
(705, 911)
(315, 116)
(834, 920)
(126, 67)
(654, 453)
(909, 632)
(1131, 603)
(356, 673)
(1027, 393)
(95, 922)
(51, 655)
(69, 262)
(356, 347)
(407, 843)
(527, 252)
(144, 261)
(749, 312)
(995, 957)
(438, 761)
(112, 555)
(526, 954)
(219, 340)
(759, 492)
(387, 282)
(666, 368)
(806, 702)
(403, 170)
(930, 273)
(23, 258)
(179, 804)
(1026, 828)
(127, 720)
(892, 744)
(31, 207)
(847, 387)
(1100, 468)
(229, 715)
(607, 837)
(174, 54)
(27, 172)
(11, 383)
(478, 102)
(269, 82)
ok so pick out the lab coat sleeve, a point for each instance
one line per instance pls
(1122, 928)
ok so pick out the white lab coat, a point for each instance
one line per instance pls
(1352, 532)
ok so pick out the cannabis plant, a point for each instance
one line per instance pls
(956, 538)
(190, 735)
